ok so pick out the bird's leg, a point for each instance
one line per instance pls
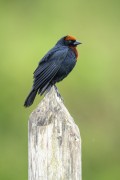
(58, 94)
(48, 89)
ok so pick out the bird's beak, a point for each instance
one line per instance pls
(77, 43)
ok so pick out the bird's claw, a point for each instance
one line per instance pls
(58, 94)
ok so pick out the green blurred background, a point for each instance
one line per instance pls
(28, 29)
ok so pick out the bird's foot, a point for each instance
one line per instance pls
(58, 94)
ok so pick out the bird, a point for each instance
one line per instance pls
(54, 67)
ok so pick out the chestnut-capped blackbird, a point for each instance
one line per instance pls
(54, 66)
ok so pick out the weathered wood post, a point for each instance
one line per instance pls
(54, 142)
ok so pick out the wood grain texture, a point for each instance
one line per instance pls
(54, 141)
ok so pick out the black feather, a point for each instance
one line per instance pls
(30, 98)
(53, 67)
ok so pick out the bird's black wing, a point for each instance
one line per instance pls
(48, 68)
(42, 65)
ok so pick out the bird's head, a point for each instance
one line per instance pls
(71, 41)
(68, 40)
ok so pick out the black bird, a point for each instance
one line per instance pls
(54, 67)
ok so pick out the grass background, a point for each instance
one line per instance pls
(28, 29)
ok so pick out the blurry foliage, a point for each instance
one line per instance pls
(91, 92)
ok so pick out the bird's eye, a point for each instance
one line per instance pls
(70, 41)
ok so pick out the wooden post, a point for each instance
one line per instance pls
(54, 141)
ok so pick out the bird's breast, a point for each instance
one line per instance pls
(75, 51)
(66, 66)
(68, 63)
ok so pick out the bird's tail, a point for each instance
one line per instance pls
(30, 98)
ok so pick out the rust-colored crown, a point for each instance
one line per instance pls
(67, 38)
